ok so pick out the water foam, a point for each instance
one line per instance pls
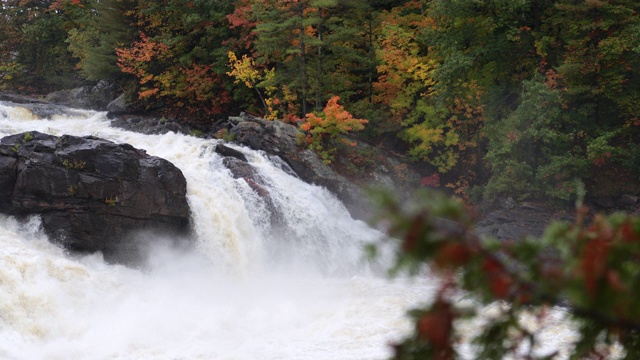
(299, 290)
(248, 291)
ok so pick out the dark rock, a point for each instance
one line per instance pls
(507, 203)
(92, 194)
(629, 200)
(275, 137)
(229, 152)
(148, 125)
(519, 221)
(240, 169)
(95, 97)
(118, 106)
(259, 189)
(20, 99)
(39, 109)
(280, 139)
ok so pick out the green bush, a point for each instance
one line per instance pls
(536, 151)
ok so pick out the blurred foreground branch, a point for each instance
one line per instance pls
(590, 271)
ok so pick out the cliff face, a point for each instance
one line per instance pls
(91, 194)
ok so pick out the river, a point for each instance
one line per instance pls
(303, 290)
(247, 290)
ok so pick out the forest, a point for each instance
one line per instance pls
(497, 98)
(530, 99)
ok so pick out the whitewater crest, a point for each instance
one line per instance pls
(252, 288)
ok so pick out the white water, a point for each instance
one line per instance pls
(302, 291)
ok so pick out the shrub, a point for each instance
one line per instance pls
(536, 151)
(321, 129)
(590, 268)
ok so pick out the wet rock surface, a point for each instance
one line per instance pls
(148, 125)
(516, 221)
(92, 194)
(281, 139)
(93, 97)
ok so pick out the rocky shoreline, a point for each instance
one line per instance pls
(507, 220)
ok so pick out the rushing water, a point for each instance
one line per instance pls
(302, 290)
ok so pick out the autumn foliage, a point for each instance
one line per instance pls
(324, 128)
(590, 268)
(432, 77)
(188, 88)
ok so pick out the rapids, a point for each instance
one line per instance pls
(301, 290)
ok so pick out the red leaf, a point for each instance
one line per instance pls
(436, 327)
(432, 180)
(593, 264)
(500, 282)
(628, 234)
(614, 281)
(452, 255)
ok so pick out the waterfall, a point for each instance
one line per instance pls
(250, 289)
(298, 289)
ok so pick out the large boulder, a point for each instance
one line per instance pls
(92, 194)
(281, 139)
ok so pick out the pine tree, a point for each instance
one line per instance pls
(108, 25)
(33, 52)
(179, 58)
(319, 48)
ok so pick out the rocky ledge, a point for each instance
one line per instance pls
(281, 139)
(92, 194)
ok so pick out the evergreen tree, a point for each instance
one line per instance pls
(318, 48)
(33, 49)
(106, 26)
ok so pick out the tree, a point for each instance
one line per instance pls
(33, 52)
(105, 26)
(324, 128)
(244, 70)
(281, 42)
(586, 54)
(598, 68)
(536, 151)
(589, 267)
(440, 125)
(179, 58)
(318, 48)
